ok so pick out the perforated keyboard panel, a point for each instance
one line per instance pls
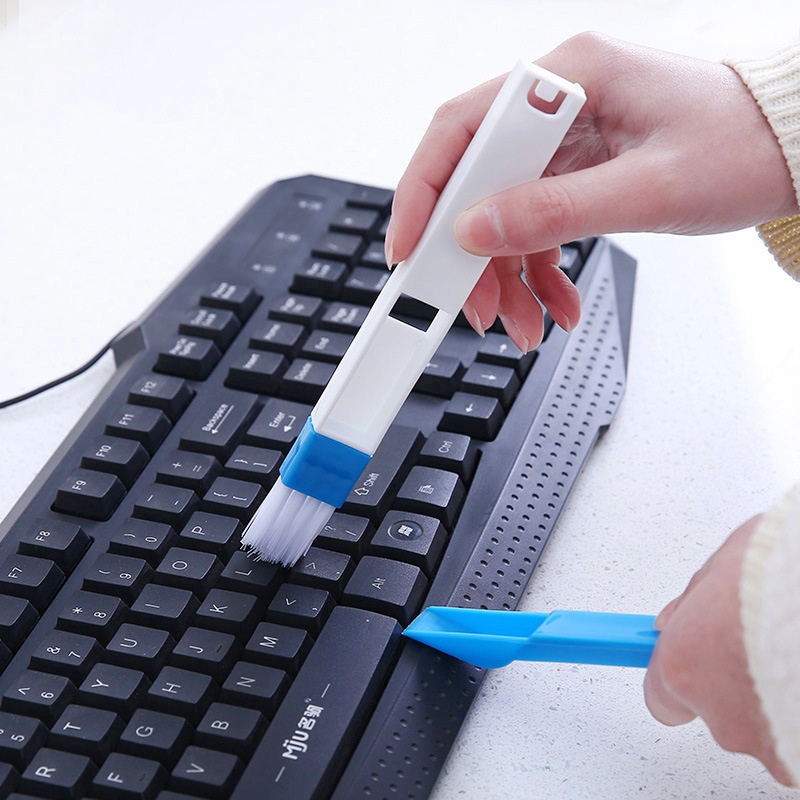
(144, 654)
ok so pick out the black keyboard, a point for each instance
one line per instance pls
(145, 655)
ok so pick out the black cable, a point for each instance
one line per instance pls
(63, 379)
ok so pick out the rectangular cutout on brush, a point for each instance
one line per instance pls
(545, 97)
(413, 312)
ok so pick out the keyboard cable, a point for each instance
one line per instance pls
(64, 378)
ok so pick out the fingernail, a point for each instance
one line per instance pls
(388, 246)
(478, 230)
(516, 334)
(474, 320)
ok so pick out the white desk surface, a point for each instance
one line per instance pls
(132, 132)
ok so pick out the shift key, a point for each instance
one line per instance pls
(387, 469)
(216, 425)
(319, 721)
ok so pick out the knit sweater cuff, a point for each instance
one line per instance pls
(770, 611)
(773, 81)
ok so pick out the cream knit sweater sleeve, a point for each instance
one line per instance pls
(770, 581)
(775, 83)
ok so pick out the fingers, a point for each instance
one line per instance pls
(663, 703)
(552, 286)
(431, 166)
(543, 214)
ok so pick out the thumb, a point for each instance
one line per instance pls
(617, 195)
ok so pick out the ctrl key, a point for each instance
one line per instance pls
(90, 494)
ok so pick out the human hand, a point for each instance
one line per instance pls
(664, 143)
(699, 665)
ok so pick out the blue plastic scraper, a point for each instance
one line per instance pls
(492, 639)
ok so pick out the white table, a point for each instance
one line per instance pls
(131, 132)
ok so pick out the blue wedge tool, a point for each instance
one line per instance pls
(492, 639)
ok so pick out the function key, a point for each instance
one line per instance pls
(298, 308)
(62, 542)
(320, 278)
(34, 579)
(305, 379)
(166, 392)
(364, 285)
(340, 246)
(355, 220)
(146, 425)
(256, 371)
(371, 197)
(344, 317)
(282, 337)
(327, 346)
(217, 324)
(240, 299)
(188, 357)
(17, 618)
(90, 494)
(124, 458)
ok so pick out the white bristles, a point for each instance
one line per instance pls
(285, 525)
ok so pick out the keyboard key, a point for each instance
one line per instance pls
(341, 246)
(240, 299)
(278, 646)
(66, 653)
(346, 533)
(320, 278)
(62, 542)
(371, 197)
(181, 692)
(53, 773)
(39, 694)
(34, 579)
(474, 415)
(117, 689)
(204, 772)
(166, 392)
(136, 647)
(254, 464)
(206, 651)
(91, 732)
(231, 729)
(278, 424)
(497, 348)
(359, 221)
(451, 451)
(281, 337)
(492, 380)
(374, 256)
(219, 325)
(245, 573)
(386, 470)
(230, 612)
(164, 607)
(121, 576)
(140, 423)
(441, 376)
(171, 505)
(234, 498)
(189, 569)
(255, 686)
(194, 471)
(329, 700)
(88, 493)
(344, 317)
(123, 777)
(155, 735)
(20, 738)
(326, 346)
(300, 309)
(323, 569)
(217, 422)
(188, 357)
(124, 458)
(434, 492)
(17, 618)
(364, 285)
(142, 538)
(305, 379)
(415, 538)
(92, 614)
(301, 606)
(387, 587)
(258, 371)
(211, 532)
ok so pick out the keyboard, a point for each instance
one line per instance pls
(145, 655)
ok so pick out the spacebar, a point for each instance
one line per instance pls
(316, 728)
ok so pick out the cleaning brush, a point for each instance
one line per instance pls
(516, 140)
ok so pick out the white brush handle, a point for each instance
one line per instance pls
(513, 145)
